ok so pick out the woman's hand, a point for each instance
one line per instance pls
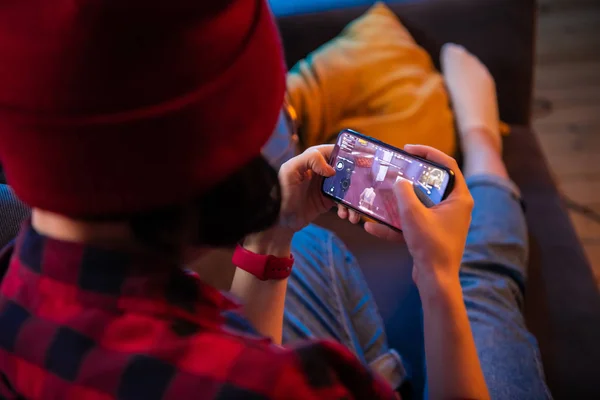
(300, 179)
(301, 203)
(435, 236)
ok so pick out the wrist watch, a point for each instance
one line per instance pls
(264, 267)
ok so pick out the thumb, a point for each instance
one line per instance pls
(318, 163)
(408, 202)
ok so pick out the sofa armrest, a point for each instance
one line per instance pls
(499, 32)
(562, 306)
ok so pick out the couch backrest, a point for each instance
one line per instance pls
(292, 7)
(499, 32)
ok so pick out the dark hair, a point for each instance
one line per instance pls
(247, 202)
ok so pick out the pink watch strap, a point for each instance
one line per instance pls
(264, 267)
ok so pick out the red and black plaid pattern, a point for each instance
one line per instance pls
(80, 322)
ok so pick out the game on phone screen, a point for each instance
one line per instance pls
(366, 171)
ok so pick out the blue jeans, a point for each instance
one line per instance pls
(328, 296)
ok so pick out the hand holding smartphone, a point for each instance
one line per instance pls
(366, 170)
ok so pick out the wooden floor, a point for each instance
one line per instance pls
(567, 109)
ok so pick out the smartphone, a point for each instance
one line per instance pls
(366, 169)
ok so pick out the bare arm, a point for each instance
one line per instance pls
(453, 368)
(436, 238)
(264, 300)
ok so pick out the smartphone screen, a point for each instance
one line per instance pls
(366, 170)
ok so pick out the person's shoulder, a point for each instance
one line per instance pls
(309, 369)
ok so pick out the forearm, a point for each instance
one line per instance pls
(264, 301)
(453, 367)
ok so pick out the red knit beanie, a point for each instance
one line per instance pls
(113, 107)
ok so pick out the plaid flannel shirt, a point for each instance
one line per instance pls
(82, 322)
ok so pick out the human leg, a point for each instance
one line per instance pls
(495, 258)
(328, 297)
(492, 277)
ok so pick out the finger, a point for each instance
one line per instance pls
(324, 149)
(383, 232)
(318, 162)
(439, 157)
(354, 216)
(408, 202)
(308, 175)
(431, 154)
(342, 211)
(312, 159)
(328, 203)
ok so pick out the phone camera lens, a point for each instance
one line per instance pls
(345, 184)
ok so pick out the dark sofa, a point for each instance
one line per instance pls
(562, 301)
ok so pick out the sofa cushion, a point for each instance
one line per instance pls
(499, 32)
(373, 78)
(562, 306)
